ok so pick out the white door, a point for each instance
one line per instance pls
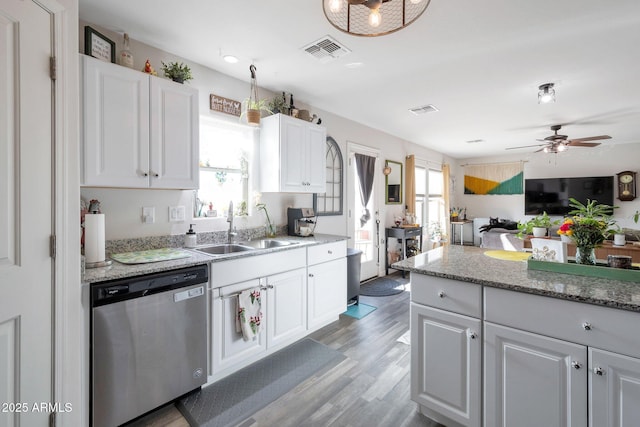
(327, 291)
(532, 380)
(26, 212)
(614, 389)
(445, 363)
(363, 236)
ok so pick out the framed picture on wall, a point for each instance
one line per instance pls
(98, 45)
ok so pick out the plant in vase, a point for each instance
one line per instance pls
(537, 226)
(591, 225)
(565, 231)
(177, 71)
(270, 229)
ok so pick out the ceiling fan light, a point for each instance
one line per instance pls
(375, 18)
(562, 147)
(546, 93)
(546, 150)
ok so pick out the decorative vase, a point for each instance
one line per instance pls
(586, 255)
(253, 117)
(539, 231)
(269, 230)
(619, 239)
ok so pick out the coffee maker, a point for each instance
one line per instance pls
(300, 221)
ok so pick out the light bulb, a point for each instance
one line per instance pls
(335, 5)
(562, 147)
(374, 18)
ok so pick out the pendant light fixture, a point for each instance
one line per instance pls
(372, 17)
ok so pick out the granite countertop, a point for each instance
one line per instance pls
(469, 264)
(119, 271)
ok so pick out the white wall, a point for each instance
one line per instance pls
(123, 207)
(606, 159)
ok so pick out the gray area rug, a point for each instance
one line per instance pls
(383, 286)
(236, 397)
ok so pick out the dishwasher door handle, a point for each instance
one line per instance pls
(190, 293)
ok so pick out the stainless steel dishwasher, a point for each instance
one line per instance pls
(148, 342)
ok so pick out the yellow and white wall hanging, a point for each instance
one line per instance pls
(497, 178)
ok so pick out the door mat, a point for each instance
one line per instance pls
(381, 287)
(238, 396)
(358, 311)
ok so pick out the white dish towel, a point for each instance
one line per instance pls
(249, 314)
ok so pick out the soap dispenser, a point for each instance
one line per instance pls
(191, 238)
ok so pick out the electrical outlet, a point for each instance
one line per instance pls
(148, 215)
(176, 213)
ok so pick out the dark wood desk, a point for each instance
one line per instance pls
(402, 234)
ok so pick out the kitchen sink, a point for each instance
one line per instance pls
(269, 243)
(225, 248)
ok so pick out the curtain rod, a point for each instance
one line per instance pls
(497, 163)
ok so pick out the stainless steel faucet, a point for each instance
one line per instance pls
(232, 231)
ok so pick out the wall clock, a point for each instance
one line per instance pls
(626, 186)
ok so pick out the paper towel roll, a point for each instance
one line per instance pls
(94, 238)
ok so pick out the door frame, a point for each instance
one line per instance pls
(353, 147)
(70, 325)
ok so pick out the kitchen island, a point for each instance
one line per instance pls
(495, 344)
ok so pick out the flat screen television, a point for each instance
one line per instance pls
(552, 195)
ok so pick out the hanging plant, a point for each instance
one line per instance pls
(253, 104)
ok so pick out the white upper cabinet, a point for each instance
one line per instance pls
(139, 131)
(292, 155)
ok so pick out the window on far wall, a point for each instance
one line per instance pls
(430, 199)
(225, 151)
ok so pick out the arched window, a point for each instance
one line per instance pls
(330, 202)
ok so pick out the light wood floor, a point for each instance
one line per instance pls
(369, 388)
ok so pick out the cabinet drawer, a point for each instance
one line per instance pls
(326, 252)
(226, 272)
(595, 326)
(446, 294)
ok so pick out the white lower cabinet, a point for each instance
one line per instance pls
(326, 283)
(614, 389)
(286, 315)
(446, 370)
(533, 380)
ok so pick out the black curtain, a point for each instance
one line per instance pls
(365, 165)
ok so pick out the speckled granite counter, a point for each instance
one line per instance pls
(469, 264)
(120, 271)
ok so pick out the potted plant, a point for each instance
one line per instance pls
(177, 71)
(278, 104)
(537, 226)
(591, 224)
(253, 110)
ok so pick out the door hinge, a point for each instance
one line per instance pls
(52, 419)
(52, 68)
(52, 246)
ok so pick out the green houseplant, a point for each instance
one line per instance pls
(592, 222)
(537, 226)
(177, 71)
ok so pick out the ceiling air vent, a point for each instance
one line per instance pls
(326, 49)
(423, 110)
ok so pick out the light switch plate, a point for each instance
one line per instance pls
(148, 215)
(176, 213)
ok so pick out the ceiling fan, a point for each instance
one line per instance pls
(557, 143)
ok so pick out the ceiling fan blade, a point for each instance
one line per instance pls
(576, 143)
(525, 146)
(537, 151)
(591, 138)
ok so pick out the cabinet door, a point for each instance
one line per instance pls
(614, 389)
(532, 380)
(293, 155)
(445, 364)
(174, 135)
(228, 347)
(316, 158)
(286, 317)
(116, 125)
(327, 291)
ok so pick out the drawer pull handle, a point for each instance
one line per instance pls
(586, 326)
(310, 275)
(473, 335)
(270, 286)
(263, 288)
(330, 252)
(598, 371)
(576, 365)
(441, 294)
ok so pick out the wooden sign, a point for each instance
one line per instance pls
(225, 105)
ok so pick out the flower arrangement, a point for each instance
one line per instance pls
(565, 228)
(590, 225)
(454, 213)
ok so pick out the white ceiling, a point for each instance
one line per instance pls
(479, 62)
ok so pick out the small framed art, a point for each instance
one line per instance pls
(98, 45)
